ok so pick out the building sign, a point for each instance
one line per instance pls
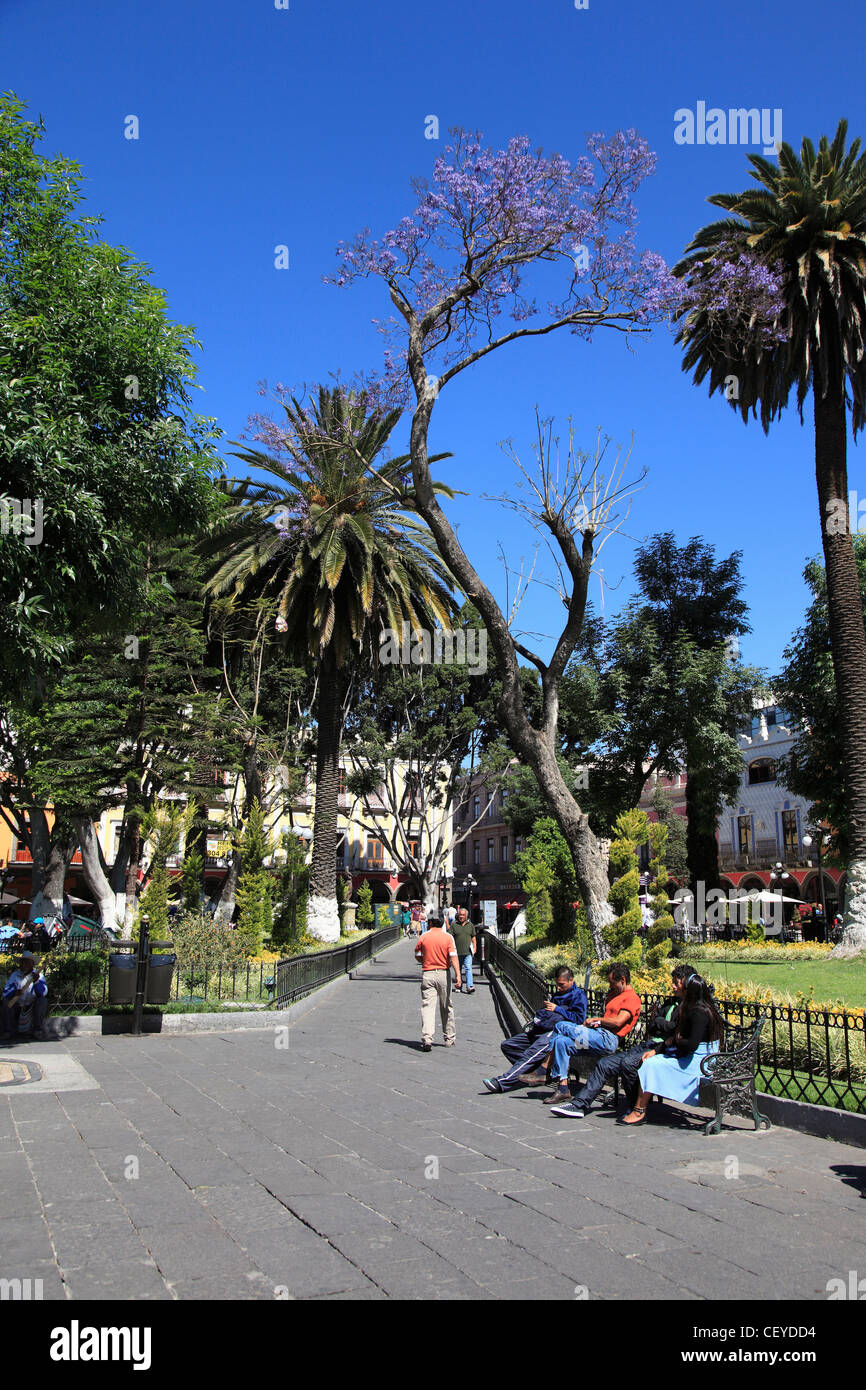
(488, 908)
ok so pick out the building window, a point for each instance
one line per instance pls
(504, 855)
(518, 845)
(744, 828)
(375, 853)
(790, 835)
(491, 852)
(476, 851)
(463, 854)
(341, 781)
(476, 807)
(762, 770)
(341, 851)
(412, 847)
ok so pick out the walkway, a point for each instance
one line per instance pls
(350, 1165)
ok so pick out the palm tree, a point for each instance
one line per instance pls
(801, 237)
(331, 542)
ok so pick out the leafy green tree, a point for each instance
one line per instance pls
(807, 223)
(256, 883)
(537, 883)
(98, 447)
(332, 545)
(163, 828)
(365, 916)
(547, 844)
(675, 853)
(622, 935)
(657, 939)
(290, 919)
(806, 689)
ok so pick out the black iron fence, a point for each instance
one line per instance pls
(300, 975)
(809, 1054)
(77, 975)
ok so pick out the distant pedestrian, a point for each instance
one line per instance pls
(464, 937)
(406, 921)
(437, 952)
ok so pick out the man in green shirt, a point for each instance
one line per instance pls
(464, 936)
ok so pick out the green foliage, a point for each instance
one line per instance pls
(95, 385)
(255, 888)
(290, 919)
(622, 936)
(365, 916)
(806, 688)
(546, 844)
(203, 948)
(191, 881)
(537, 884)
(163, 828)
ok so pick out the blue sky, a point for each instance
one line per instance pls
(261, 127)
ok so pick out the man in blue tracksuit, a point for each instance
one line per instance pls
(527, 1050)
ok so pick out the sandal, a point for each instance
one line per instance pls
(636, 1117)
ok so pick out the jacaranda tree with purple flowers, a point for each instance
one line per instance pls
(465, 273)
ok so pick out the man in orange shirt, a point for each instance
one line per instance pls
(597, 1035)
(437, 952)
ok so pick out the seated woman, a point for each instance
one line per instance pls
(675, 1072)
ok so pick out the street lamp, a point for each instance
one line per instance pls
(818, 841)
(777, 881)
(468, 884)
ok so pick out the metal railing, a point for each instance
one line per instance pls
(300, 975)
(808, 1054)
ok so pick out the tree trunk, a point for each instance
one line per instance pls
(535, 746)
(323, 916)
(52, 852)
(94, 872)
(702, 847)
(225, 907)
(848, 646)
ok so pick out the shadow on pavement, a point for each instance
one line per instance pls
(852, 1175)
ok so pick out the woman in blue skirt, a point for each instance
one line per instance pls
(675, 1073)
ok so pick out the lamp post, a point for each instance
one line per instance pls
(468, 884)
(818, 841)
(777, 880)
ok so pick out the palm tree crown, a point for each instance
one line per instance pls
(808, 219)
(332, 541)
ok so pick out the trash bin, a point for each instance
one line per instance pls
(123, 973)
(122, 966)
(159, 979)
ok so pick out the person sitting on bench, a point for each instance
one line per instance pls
(621, 1013)
(528, 1050)
(625, 1064)
(675, 1072)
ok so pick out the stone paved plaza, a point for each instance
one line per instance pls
(348, 1164)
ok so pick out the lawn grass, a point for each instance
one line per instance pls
(833, 981)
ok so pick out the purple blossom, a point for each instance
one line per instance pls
(742, 297)
(487, 217)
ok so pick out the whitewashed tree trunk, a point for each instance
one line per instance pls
(854, 934)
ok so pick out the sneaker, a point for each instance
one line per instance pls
(426, 1047)
(557, 1097)
(471, 989)
(571, 1110)
(492, 1084)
